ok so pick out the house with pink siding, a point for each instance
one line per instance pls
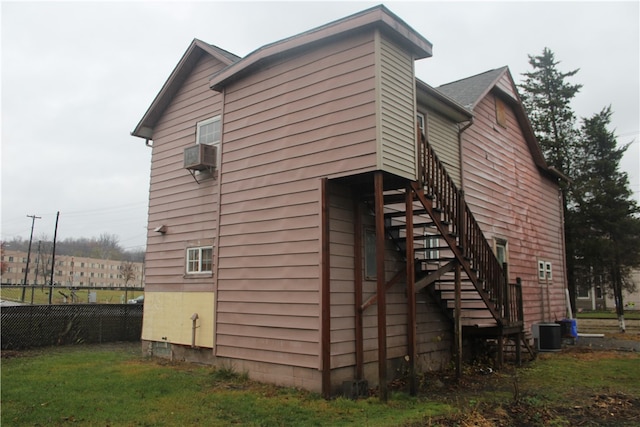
(513, 193)
(309, 217)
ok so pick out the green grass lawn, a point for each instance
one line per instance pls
(115, 385)
(99, 386)
(629, 315)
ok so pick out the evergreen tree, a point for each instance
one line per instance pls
(607, 238)
(547, 98)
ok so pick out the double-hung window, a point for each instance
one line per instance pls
(545, 271)
(422, 123)
(209, 131)
(200, 260)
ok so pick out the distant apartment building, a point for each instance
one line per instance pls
(70, 271)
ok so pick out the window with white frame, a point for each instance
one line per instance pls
(209, 131)
(200, 260)
(545, 271)
(582, 291)
(431, 244)
(422, 123)
(500, 246)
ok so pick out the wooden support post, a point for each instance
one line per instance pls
(411, 292)
(519, 338)
(326, 293)
(357, 286)
(380, 288)
(458, 321)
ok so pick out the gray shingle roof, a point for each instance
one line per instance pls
(469, 91)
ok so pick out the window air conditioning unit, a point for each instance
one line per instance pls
(200, 157)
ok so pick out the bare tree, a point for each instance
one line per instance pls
(128, 272)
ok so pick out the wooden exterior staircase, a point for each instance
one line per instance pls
(452, 259)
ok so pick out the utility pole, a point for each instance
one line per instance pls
(35, 281)
(53, 258)
(26, 270)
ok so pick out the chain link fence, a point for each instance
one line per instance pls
(29, 326)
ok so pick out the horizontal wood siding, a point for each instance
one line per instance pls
(343, 312)
(285, 127)
(433, 329)
(512, 200)
(186, 208)
(442, 134)
(397, 110)
(434, 334)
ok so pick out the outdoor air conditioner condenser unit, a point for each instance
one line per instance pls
(200, 157)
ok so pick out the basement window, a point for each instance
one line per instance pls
(200, 260)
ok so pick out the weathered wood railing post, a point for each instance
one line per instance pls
(519, 299)
(504, 289)
(461, 222)
(380, 287)
(411, 293)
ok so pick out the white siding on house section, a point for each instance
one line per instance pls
(442, 134)
(397, 110)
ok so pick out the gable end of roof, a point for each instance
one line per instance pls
(189, 59)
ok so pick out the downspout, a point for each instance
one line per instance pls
(146, 142)
(460, 148)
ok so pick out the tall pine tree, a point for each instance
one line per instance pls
(547, 97)
(607, 238)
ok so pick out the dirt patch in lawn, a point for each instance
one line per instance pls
(492, 398)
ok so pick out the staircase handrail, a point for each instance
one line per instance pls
(448, 200)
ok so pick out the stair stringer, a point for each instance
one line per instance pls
(455, 250)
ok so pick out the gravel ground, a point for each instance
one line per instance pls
(608, 343)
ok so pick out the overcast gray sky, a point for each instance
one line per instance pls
(78, 76)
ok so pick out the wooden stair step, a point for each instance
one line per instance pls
(475, 314)
(482, 324)
(403, 226)
(400, 213)
(474, 304)
(446, 285)
(465, 295)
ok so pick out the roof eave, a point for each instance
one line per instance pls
(377, 16)
(194, 52)
(444, 104)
